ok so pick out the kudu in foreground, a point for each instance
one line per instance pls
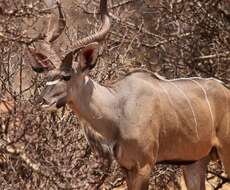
(141, 119)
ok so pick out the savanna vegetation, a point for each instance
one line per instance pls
(175, 38)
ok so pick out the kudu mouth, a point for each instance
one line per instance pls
(54, 105)
(44, 104)
(51, 105)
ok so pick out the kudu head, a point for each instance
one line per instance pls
(60, 72)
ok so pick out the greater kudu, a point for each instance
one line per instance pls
(141, 119)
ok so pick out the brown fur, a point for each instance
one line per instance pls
(143, 119)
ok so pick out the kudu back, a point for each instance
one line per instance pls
(141, 119)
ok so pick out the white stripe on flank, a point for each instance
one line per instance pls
(170, 100)
(190, 105)
(208, 102)
(227, 108)
(49, 83)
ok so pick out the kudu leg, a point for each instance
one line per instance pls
(195, 174)
(138, 179)
(223, 149)
(224, 154)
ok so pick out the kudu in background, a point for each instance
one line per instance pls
(141, 119)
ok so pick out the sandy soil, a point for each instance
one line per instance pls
(209, 186)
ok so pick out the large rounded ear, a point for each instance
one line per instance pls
(38, 61)
(67, 62)
(88, 57)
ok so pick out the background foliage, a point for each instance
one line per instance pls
(176, 38)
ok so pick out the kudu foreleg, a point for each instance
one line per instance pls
(138, 179)
(224, 153)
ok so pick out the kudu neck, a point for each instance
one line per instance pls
(93, 103)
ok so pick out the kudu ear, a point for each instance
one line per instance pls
(39, 62)
(67, 62)
(66, 66)
(88, 57)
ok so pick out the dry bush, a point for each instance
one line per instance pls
(175, 38)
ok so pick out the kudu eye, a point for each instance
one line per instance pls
(66, 77)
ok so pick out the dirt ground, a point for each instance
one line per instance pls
(225, 187)
(209, 186)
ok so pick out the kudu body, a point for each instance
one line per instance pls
(142, 119)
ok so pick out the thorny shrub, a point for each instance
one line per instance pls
(175, 38)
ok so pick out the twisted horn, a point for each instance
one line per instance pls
(100, 35)
(56, 31)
